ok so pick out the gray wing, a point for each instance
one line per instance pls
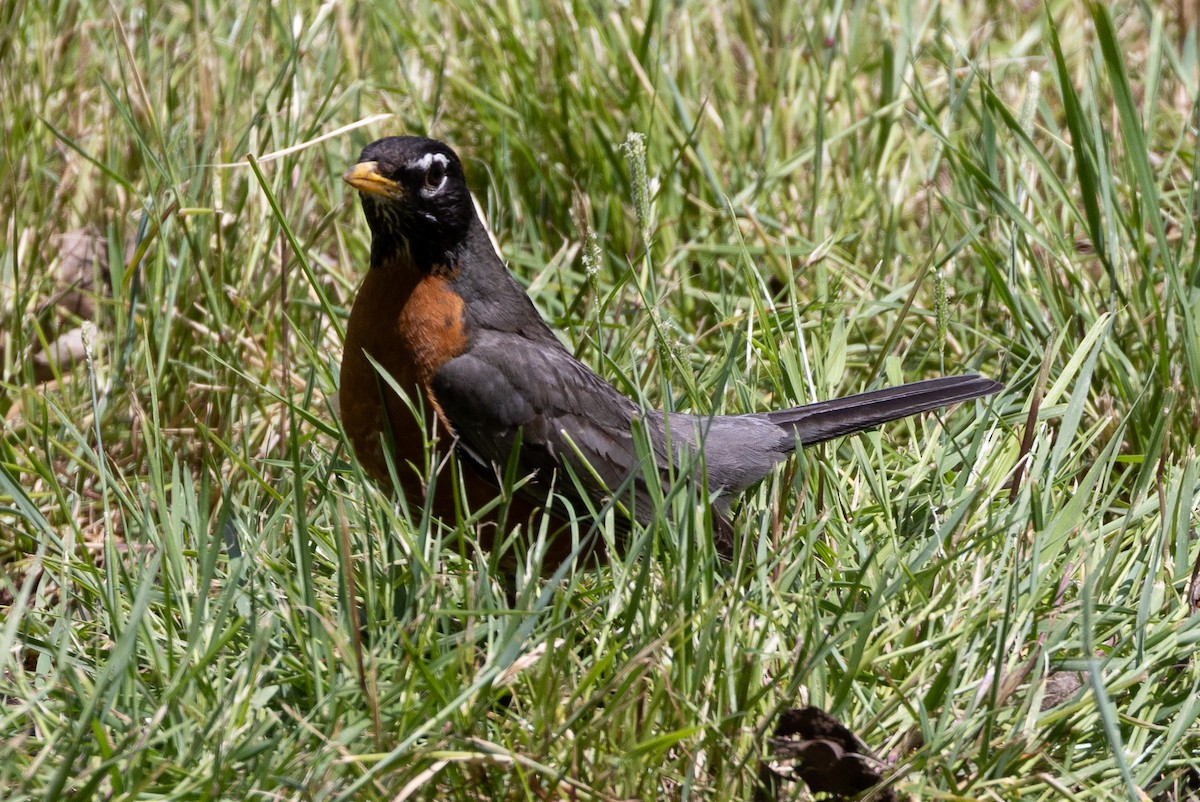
(508, 393)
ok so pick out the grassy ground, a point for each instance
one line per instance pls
(836, 196)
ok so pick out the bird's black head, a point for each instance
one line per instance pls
(415, 198)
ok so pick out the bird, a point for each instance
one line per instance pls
(440, 318)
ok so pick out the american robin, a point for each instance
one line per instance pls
(448, 325)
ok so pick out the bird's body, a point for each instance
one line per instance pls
(443, 318)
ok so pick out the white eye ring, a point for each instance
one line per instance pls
(434, 165)
(435, 177)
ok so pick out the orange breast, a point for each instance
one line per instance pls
(411, 325)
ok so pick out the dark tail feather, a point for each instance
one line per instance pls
(825, 420)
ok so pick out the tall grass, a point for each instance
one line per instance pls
(203, 597)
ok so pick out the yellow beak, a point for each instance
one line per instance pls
(365, 177)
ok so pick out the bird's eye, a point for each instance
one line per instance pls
(435, 176)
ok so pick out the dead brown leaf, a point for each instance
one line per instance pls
(813, 746)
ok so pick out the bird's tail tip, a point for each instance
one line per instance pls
(825, 420)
